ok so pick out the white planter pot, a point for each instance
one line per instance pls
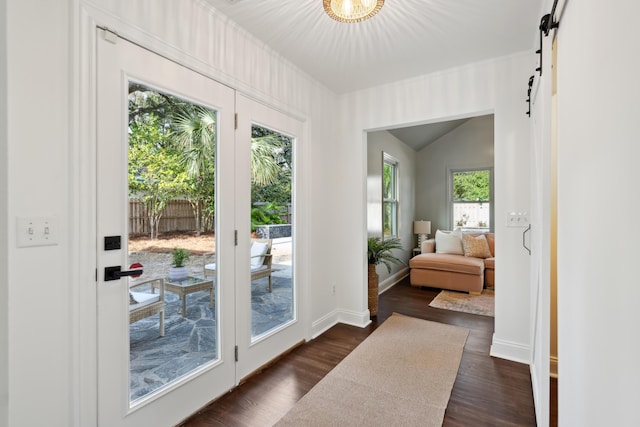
(178, 273)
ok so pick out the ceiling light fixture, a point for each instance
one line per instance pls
(352, 10)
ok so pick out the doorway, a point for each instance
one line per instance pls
(167, 138)
(427, 154)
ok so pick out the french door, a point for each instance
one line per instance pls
(166, 135)
(272, 316)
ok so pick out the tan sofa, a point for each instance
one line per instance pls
(452, 271)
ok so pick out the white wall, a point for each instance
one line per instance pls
(489, 87)
(598, 152)
(468, 146)
(39, 316)
(4, 279)
(378, 143)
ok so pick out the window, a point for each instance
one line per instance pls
(471, 194)
(389, 196)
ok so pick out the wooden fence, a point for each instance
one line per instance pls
(177, 216)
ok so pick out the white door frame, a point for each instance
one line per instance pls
(83, 198)
(118, 63)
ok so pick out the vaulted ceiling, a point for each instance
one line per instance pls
(418, 137)
(407, 38)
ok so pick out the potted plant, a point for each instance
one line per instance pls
(178, 270)
(379, 251)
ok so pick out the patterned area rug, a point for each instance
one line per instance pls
(462, 301)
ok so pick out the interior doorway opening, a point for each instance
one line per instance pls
(426, 154)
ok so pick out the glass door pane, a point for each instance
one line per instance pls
(272, 232)
(171, 182)
(268, 295)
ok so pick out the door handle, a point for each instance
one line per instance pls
(115, 273)
(524, 233)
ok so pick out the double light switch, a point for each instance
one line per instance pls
(517, 219)
(37, 231)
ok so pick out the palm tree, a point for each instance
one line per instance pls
(194, 133)
(264, 167)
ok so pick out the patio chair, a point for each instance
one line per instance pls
(260, 261)
(144, 304)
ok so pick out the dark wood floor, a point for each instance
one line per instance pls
(553, 412)
(487, 391)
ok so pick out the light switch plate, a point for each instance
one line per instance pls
(517, 219)
(37, 231)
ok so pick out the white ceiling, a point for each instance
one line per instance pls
(407, 38)
(418, 137)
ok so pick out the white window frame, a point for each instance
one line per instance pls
(490, 202)
(388, 160)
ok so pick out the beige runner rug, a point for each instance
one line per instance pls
(402, 374)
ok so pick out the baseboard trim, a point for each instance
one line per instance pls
(324, 323)
(392, 280)
(509, 350)
(354, 318)
(329, 320)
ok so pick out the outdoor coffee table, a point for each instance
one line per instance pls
(189, 285)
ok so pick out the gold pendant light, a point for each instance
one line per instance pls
(352, 10)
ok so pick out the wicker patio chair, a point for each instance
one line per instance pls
(261, 258)
(144, 304)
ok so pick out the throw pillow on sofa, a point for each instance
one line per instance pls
(476, 246)
(449, 242)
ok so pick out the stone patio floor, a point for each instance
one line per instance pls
(191, 341)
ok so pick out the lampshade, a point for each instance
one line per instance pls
(421, 227)
(352, 10)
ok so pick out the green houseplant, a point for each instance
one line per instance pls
(180, 256)
(178, 270)
(379, 251)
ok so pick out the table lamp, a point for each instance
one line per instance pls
(422, 229)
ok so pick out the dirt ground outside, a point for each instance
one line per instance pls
(166, 242)
(159, 250)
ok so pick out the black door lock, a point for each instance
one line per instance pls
(115, 273)
(112, 243)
